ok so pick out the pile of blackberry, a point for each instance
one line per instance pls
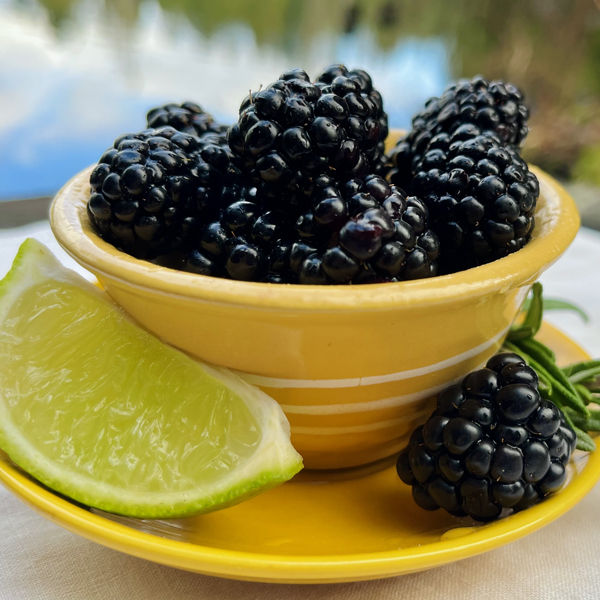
(491, 444)
(367, 231)
(299, 190)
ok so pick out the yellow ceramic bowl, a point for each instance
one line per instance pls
(354, 367)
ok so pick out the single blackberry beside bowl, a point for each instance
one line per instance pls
(480, 194)
(294, 130)
(491, 444)
(496, 107)
(152, 190)
(188, 117)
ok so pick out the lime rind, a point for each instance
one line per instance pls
(273, 461)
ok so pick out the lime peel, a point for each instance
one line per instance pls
(177, 446)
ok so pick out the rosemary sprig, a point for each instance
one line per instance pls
(573, 388)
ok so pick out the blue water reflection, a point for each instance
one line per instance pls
(66, 94)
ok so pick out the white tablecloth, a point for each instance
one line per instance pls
(41, 561)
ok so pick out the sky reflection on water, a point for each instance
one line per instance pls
(65, 95)
(74, 74)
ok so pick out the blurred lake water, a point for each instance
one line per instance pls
(74, 74)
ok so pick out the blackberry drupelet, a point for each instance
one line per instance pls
(153, 189)
(187, 117)
(495, 107)
(294, 130)
(325, 81)
(491, 444)
(480, 194)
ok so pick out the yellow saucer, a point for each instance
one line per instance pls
(314, 530)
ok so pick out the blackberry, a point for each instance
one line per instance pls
(480, 194)
(187, 117)
(152, 190)
(491, 444)
(365, 232)
(495, 107)
(294, 130)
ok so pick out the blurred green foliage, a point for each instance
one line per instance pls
(549, 48)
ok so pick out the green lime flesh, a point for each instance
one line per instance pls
(100, 410)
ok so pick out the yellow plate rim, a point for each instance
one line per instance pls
(299, 569)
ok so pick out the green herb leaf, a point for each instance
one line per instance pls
(560, 380)
(533, 317)
(584, 365)
(554, 304)
(585, 394)
(563, 391)
(543, 349)
(584, 441)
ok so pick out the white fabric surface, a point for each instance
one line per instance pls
(41, 561)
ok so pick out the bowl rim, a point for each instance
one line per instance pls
(557, 222)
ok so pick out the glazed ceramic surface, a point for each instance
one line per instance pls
(315, 529)
(354, 367)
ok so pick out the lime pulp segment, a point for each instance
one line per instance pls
(100, 410)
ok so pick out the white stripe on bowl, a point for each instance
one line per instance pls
(336, 409)
(275, 382)
(358, 428)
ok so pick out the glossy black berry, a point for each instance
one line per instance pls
(555, 478)
(499, 361)
(155, 192)
(477, 499)
(491, 444)
(536, 461)
(198, 263)
(479, 459)
(449, 401)
(494, 107)
(187, 117)
(478, 411)
(361, 238)
(507, 495)
(311, 272)
(460, 434)
(444, 494)
(422, 463)
(423, 499)
(517, 401)
(245, 262)
(546, 420)
(340, 266)
(404, 469)
(481, 384)
(295, 130)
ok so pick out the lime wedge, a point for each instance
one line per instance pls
(98, 409)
